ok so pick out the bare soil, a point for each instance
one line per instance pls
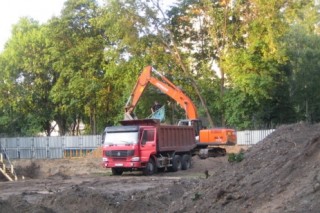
(279, 174)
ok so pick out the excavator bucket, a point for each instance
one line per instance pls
(127, 116)
(159, 114)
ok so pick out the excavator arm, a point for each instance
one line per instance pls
(165, 85)
(205, 137)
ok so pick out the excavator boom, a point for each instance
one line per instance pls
(165, 85)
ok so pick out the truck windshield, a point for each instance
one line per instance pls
(121, 138)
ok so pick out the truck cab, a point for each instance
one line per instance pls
(126, 148)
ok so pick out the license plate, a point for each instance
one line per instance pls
(119, 164)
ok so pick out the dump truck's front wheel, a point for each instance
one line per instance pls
(151, 168)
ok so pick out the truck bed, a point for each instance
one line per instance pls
(175, 138)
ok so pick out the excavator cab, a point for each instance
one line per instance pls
(196, 123)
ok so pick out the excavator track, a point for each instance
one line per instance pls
(212, 152)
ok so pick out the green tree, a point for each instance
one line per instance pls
(302, 46)
(254, 59)
(190, 27)
(304, 52)
(78, 49)
(129, 48)
(141, 31)
(28, 79)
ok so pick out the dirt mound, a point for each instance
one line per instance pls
(280, 174)
(31, 170)
(49, 168)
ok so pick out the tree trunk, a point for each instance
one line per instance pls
(47, 128)
(93, 121)
(176, 55)
(223, 122)
(62, 124)
(187, 72)
(203, 102)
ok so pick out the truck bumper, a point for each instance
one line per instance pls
(111, 164)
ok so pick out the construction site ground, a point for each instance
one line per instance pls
(279, 174)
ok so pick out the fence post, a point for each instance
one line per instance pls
(62, 146)
(32, 148)
(81, 146)
(18, 145)
(47, 148)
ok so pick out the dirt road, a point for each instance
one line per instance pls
(82, 185)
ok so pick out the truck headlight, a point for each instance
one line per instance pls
(135, 159)
(105, 159)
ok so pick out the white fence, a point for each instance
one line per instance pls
(251, 137)
(62, 146)
(48, 147)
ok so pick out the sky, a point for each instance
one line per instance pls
(41, 10)
(12, 10)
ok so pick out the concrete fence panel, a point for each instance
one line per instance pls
(251, 137)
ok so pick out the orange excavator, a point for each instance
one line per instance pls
(205, 137)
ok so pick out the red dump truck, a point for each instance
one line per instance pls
(147, 146)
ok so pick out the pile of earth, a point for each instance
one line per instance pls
(279, 174)
(49, 168)
(65, 167)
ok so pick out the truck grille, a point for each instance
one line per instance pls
(119, 153)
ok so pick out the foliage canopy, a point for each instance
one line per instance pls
(245, 64)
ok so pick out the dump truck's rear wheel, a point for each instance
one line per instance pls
(116, 171)
(186, 162)
(176, 164)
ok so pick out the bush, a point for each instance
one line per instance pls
(234, 157)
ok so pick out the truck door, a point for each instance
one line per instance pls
(147, 144)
